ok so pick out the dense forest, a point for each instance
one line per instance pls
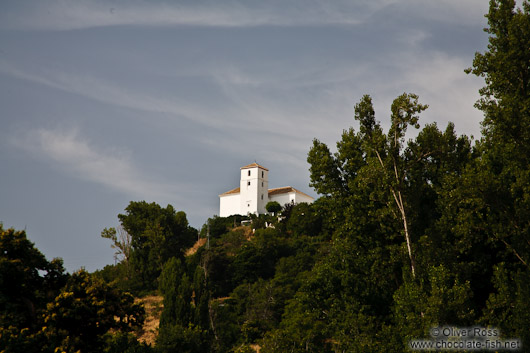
(407, 235)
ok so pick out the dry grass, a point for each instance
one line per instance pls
(153, 308)
(196, 246)
(222, 299)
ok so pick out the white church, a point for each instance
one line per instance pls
(253, 193)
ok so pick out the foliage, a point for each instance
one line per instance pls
(125, 343)
(233, 292)
(45, 310)
(85, 310)
(273, 207)
(304, 219)
(157, 234)
(177, 338)
(27, 282)
(462, 211)
(121, 241)
(117, 275)
(220, 225)
(407, 235)
(23, 287)
(507, 307)
(176, 288)
(382, 197)
(505, 101)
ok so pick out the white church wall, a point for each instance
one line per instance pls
(282, 199)
(248, 191)
(263, 190)
(254, 194)
(299, 198)
(291, 197)
(229, 205)
(253, 190)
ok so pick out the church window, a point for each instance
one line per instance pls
(261, 184)
(262, 173)
(248, 183)
(249, 173)
(262, 196)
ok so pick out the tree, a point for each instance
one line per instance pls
(177, 290)
(27, 282)
(121, 241)
(382, 195)
(123, 342)
(120, 273)
(405, 110)
(178, 338)
(499, 213)
(506, 97)
(85, 311)
(157, 234)
(505, 101)
(43, 309)
(25, 278)
(380, 155)
(304, 220)
(273, 207)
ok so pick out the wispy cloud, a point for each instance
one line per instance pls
(110, 167)
(459, 12)
(321, 100)
(65, 15)
(115, 94)
(441, 82)
(242, 103)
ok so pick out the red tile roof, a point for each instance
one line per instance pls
(230, 192)
(285, 190)
(254, 165)
(275, 191)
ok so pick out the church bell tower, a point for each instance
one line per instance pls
(254, 186)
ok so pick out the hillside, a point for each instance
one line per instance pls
(413, 243)
(153, 309)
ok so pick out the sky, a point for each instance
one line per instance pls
(107, 102)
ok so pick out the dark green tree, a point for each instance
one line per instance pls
(373, 156)
(177, 290)
(123, 342)
(273, 207)
(496, 212)
(85, 311)
(382, 197)
(27, 283)
(157, 234)
(304, 220)
(506, 127)
(506, 97)
(178, 338)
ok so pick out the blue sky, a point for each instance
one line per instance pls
(105, 102)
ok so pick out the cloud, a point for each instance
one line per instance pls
(321, 101)
(115, 94)
(243, 101)
(112, 168)
(440, 81)
(68, 15)
(459, 12)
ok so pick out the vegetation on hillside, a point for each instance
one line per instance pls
(406, 235)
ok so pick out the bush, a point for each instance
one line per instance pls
(273, 207)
